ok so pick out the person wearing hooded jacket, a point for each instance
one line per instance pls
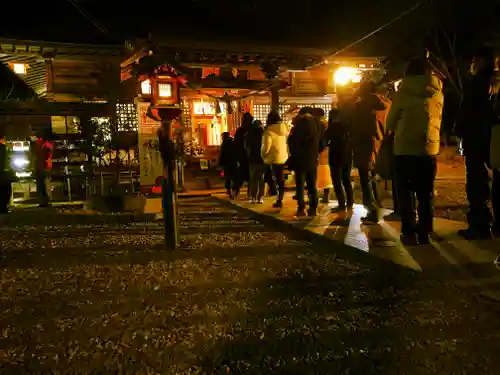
(415, 121)
(275, 152)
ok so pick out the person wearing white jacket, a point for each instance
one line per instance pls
(415, 121)
(275, 151)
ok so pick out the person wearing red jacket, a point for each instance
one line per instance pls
(43, 149)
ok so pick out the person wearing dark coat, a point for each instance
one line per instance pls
(369, 113)
(340, 159)
(228, 162)
(478, 113)
(305, 143)
(253, 146)
(5, 178)
(242, 173)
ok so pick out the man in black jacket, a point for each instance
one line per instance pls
(474, 128)
(305, 144)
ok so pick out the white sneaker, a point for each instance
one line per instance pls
(261, 200)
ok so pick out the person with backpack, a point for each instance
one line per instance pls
(275, 152)
(253, 146)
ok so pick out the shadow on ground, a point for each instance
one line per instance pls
(314, 322)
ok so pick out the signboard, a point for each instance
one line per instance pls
(151, 164)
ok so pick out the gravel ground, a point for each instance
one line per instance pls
(96, 294)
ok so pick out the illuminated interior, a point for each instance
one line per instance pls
(202, 108)
(345, 75)
(146, 87)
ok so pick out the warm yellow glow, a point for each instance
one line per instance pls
(208, 108)
(345, 75)
(146, 87)
(19, 68)
(164, 90)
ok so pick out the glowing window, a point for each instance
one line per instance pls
(146, 87)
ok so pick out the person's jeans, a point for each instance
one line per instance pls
(415, 176)
(478, 190)
(369, 190)
(341, 179)
(42, 178)
(257, 182)
(306, 177)
(278, 171)
(229, 178)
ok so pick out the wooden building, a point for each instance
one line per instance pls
(223, 81)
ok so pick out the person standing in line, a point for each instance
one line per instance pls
(5, 176)
(242, 173)
(368, 130)
(415, 120)
(253, 146)
(275, 152)
(228, 162)
(43, 149)
(324, 181)
(305, 145)
(340, 160)
(478, 113)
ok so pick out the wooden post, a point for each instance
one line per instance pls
(275, 97)
(170, 214)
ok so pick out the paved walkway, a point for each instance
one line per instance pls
(449, 255)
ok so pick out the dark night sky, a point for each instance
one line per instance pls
(314, 23)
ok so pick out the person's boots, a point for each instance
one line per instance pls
(278, 204)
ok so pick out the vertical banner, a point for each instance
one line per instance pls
(151, 165)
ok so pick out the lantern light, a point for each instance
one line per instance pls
(164, 90)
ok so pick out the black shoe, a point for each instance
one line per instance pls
(278, 204)
(408, 239)
(294, 197)
(473, 234)
(424, 238)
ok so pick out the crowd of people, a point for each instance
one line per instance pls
(406, 125)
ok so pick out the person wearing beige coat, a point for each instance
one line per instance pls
(415, 122)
